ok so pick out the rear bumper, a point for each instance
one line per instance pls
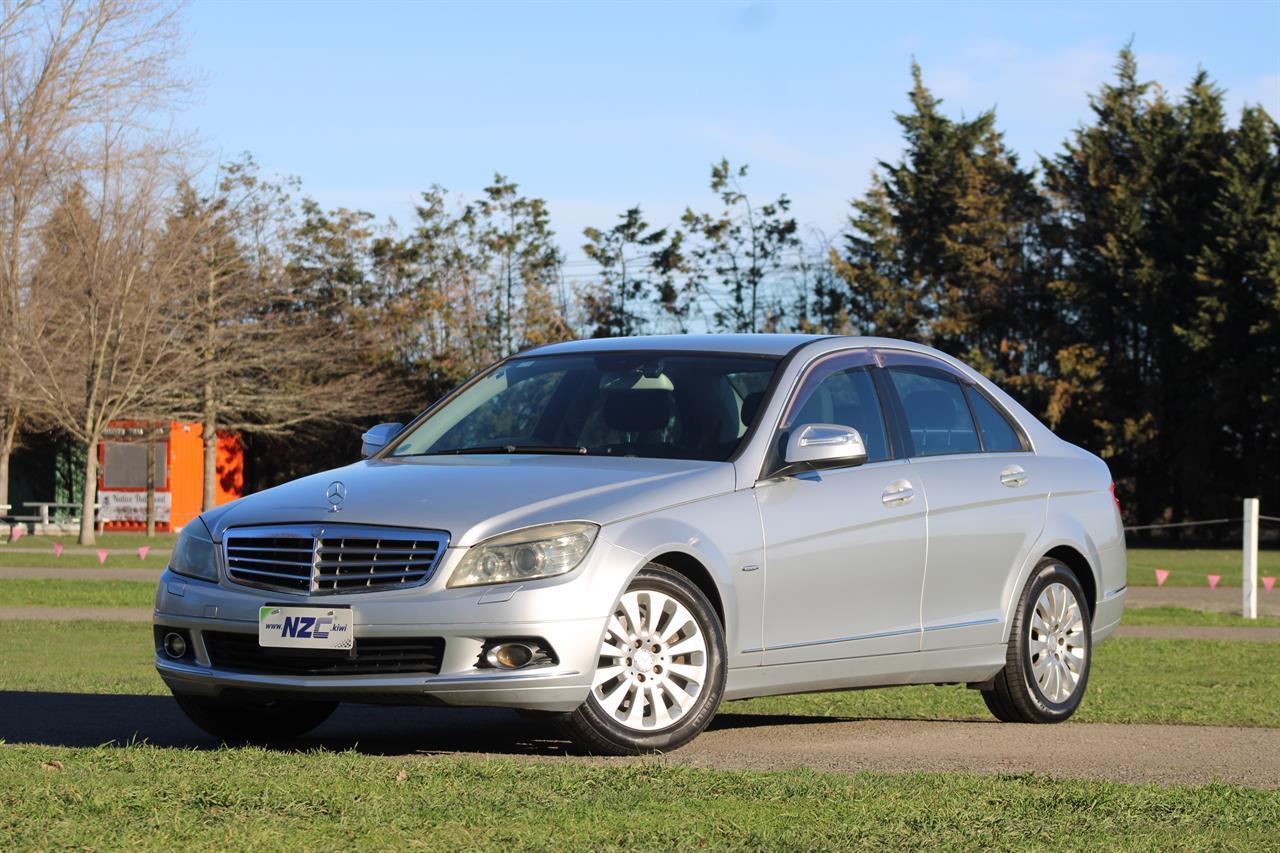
(1106, 617)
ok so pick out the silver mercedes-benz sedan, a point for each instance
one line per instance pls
(621, 534)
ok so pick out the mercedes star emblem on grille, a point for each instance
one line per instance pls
(335, 495)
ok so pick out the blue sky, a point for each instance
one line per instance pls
(599, 106)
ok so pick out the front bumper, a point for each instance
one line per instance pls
(548, 688)
(464, 618)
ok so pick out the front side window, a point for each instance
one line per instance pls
(679, 406)
(837, 393)
(938, 417)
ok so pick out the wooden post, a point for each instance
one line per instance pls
(151, 480)
(1250, 580)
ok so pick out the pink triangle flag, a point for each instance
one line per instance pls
(1268, 583)
(102, 556)
(1213, 581)
(57, 549)
(1162, 575)
(15, 532)
(142, 551)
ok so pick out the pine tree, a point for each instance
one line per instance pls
(1167, 227)
(1234, 327)
(1102, 185)
(881, 296)
(944, 247)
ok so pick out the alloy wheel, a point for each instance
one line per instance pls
(1056, 643)
(653, 662)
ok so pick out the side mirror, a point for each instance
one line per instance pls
(824, 446)
(377, 437)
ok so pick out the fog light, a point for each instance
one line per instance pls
(175, 645)
(511, 655)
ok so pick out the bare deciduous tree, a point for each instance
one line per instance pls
(65, 68)
(261, 360)
(105, 338)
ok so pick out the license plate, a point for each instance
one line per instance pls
(305, 627)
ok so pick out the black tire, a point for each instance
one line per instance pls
(595, 731)
(1015, 695)
(246, 719)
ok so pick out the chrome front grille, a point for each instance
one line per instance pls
(276, 562)
(331, 558)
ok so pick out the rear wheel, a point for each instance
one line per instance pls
(1046, 667)
(254, 720)
(660, 674)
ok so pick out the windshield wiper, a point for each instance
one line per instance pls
(509, 448)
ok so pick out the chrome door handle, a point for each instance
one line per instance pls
(1013, 476)
(898, 493)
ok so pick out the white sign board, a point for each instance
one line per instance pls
(131, 506)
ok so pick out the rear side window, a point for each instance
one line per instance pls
(846, 397)
(937, 415)
(998, 435)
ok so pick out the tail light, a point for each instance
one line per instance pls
(1116, 499)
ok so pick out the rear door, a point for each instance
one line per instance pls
(986, 498)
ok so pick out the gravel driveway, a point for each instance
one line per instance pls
(1125, 753)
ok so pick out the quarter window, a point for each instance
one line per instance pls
(998, 435)
(832, 395)
(938, 417)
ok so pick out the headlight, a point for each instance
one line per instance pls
(535, 552)
(194, 556)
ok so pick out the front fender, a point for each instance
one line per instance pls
(723, 535)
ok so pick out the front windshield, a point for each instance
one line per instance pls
(685, 406)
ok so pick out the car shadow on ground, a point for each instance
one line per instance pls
(86, 720)
(83, 719)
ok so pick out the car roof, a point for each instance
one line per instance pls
(757, 344)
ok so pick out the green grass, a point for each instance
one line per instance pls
(78, 657)
(1181, 616)
(1198, 682)
(123, 548)
(19, 592)
(154, 798)
(1191, 566)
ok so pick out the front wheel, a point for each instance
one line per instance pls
(660, 675)
(253, 720)
(1050, 649)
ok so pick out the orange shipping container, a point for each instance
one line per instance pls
(179, 473)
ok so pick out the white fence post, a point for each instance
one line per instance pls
(1250, 579)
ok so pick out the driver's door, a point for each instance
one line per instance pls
(844, 547)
